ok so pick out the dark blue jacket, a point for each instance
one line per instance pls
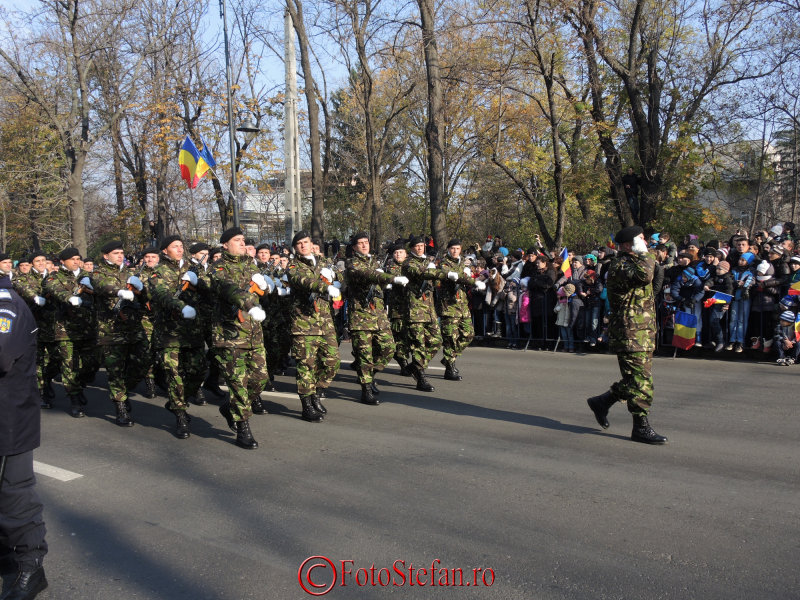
(19, 393)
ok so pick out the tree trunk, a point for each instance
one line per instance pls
(76, 159)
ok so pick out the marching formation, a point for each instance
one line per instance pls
(181, 320)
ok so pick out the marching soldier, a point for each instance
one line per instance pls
(30, 286)
(150, 258)
(631, 333)
(397, 302)
(173, 290)
(238, 338)
(70, 290)
(423, 336)
(456, 321)
(121, 336)
(314, 345)
(370, 331)
(206, 313)
(6, 266)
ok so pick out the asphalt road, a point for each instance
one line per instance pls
(504, 478)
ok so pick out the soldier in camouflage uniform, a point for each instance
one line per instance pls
(173, 290)
(370, 331)
(150, 258)
(397, 305)
(121, 337)
(70, 291)
(314, 346)
(238, 338)
(269, 302)
(631, 333)
(453, 308)
(423, 336)
(206, 314)
(6, 266)
(30, 287)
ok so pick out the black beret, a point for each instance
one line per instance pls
(68, 253)
(4, 256)
(395, 247)
(453, 242)
(416, 239)
(359, 236)
(300, 235)
(249, 242)
(198, 247)
(111, 246)
(24, 259)
(34, 255)
(215, 250)
(627, 234)
(150, 250)
(168, 240)
(230, 233)
(264, 246)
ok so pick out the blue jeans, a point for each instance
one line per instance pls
(566, 337)
(512, 328)
(740, 313)
(715, 323)
(591, 315)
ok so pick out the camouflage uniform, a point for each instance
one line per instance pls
(28, 286)
(238, 339)
(121, 336)
(370, 331)
(75, 330)
(148, 317)
(397, 302)
(453, 308)
(314, 346)
(177, 340)
(631, 328)
(271, 325)
(424, 339)
(206, 315)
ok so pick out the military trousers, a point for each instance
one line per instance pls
(636, 386)
(457, 334)
(184, 369)
(317, 358)
(372, 350)
(424, 341)
(245, 372)
(21, 524)
(79, 362)
(126, 365)
(47, 362)
(399, 334)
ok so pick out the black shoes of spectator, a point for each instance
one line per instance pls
(316, 402)
(27, 585)
(310, 413)
(181, 424)
(642, 432)
(244, 438)
(367, 397)
(258, 407)
(123, 418)
(600, 406)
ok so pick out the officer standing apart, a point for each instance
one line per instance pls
(631, 333)
(21, 524)
(424, 339)
(238, 338)
(370, 330)
(456, 324)
(314, 346)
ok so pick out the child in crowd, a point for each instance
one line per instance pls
(740, 307)
(786, 339)
(721, 282)
(567, 309)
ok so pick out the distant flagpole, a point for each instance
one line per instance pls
(234, 185)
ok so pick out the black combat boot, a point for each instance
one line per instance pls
(321, 395)
(82, 398)
(75, 407)
(422, 382)
(128, 406)
(198, 400)
(46, 400)
(258, 407)
(367, 397)
(374, 387)
(600, 405)
(404, 370)
(27, 585)
(450, 372)
(149, 387)
(243, 436)
(181, 424)
(211, 384)
(310, 413)
(642, 432)
(123, 418)
(270, 385)
(316, 401)
(225, 411)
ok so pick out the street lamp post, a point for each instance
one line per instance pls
(234, 186)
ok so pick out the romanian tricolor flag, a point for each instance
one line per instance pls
(610, 243)
(685, 330)
(717, 298)
(193, 165)
(797, 327)
(566, 267)
(794, 289)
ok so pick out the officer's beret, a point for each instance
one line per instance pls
(23, 260)
(150, 250)
(215, 250)
(263, 246)
(416, 239)
(627, 234)
(34, 255)
(4, 256)
(198, 247)
(111, 246)
(300, 235)
(395, 247)
(228, 234)
(359, 236)
(453, 242)
(168, 240)
(68, 253)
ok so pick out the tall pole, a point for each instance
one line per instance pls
(234, 186)
(291, 143)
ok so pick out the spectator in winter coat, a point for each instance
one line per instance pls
(722, 281)
(764, 296)
(511, 311)
(786, 340)
(780, 264)
(566, 309)
(541, 298)
(592, 307)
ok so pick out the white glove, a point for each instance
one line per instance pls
(400, 280)
(327, 274)
(39, 301)
(639, 245)
(334, 292)
(271, 284)
(467, 271)
(452, 276)
(85, 282)
(379, 270)
(431, 265)
(125, 294)
(135, 282)
(284, 291)
(257, 314)
(388, 286)
(190, 277)
(188, 312)
(75, 300)
(480, 285)
(259, 280)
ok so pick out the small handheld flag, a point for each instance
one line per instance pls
(610, 242)
(797, 328)
(193, 165)
(794, 289)
(717, 298)
(685, 330)
(566, 267)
